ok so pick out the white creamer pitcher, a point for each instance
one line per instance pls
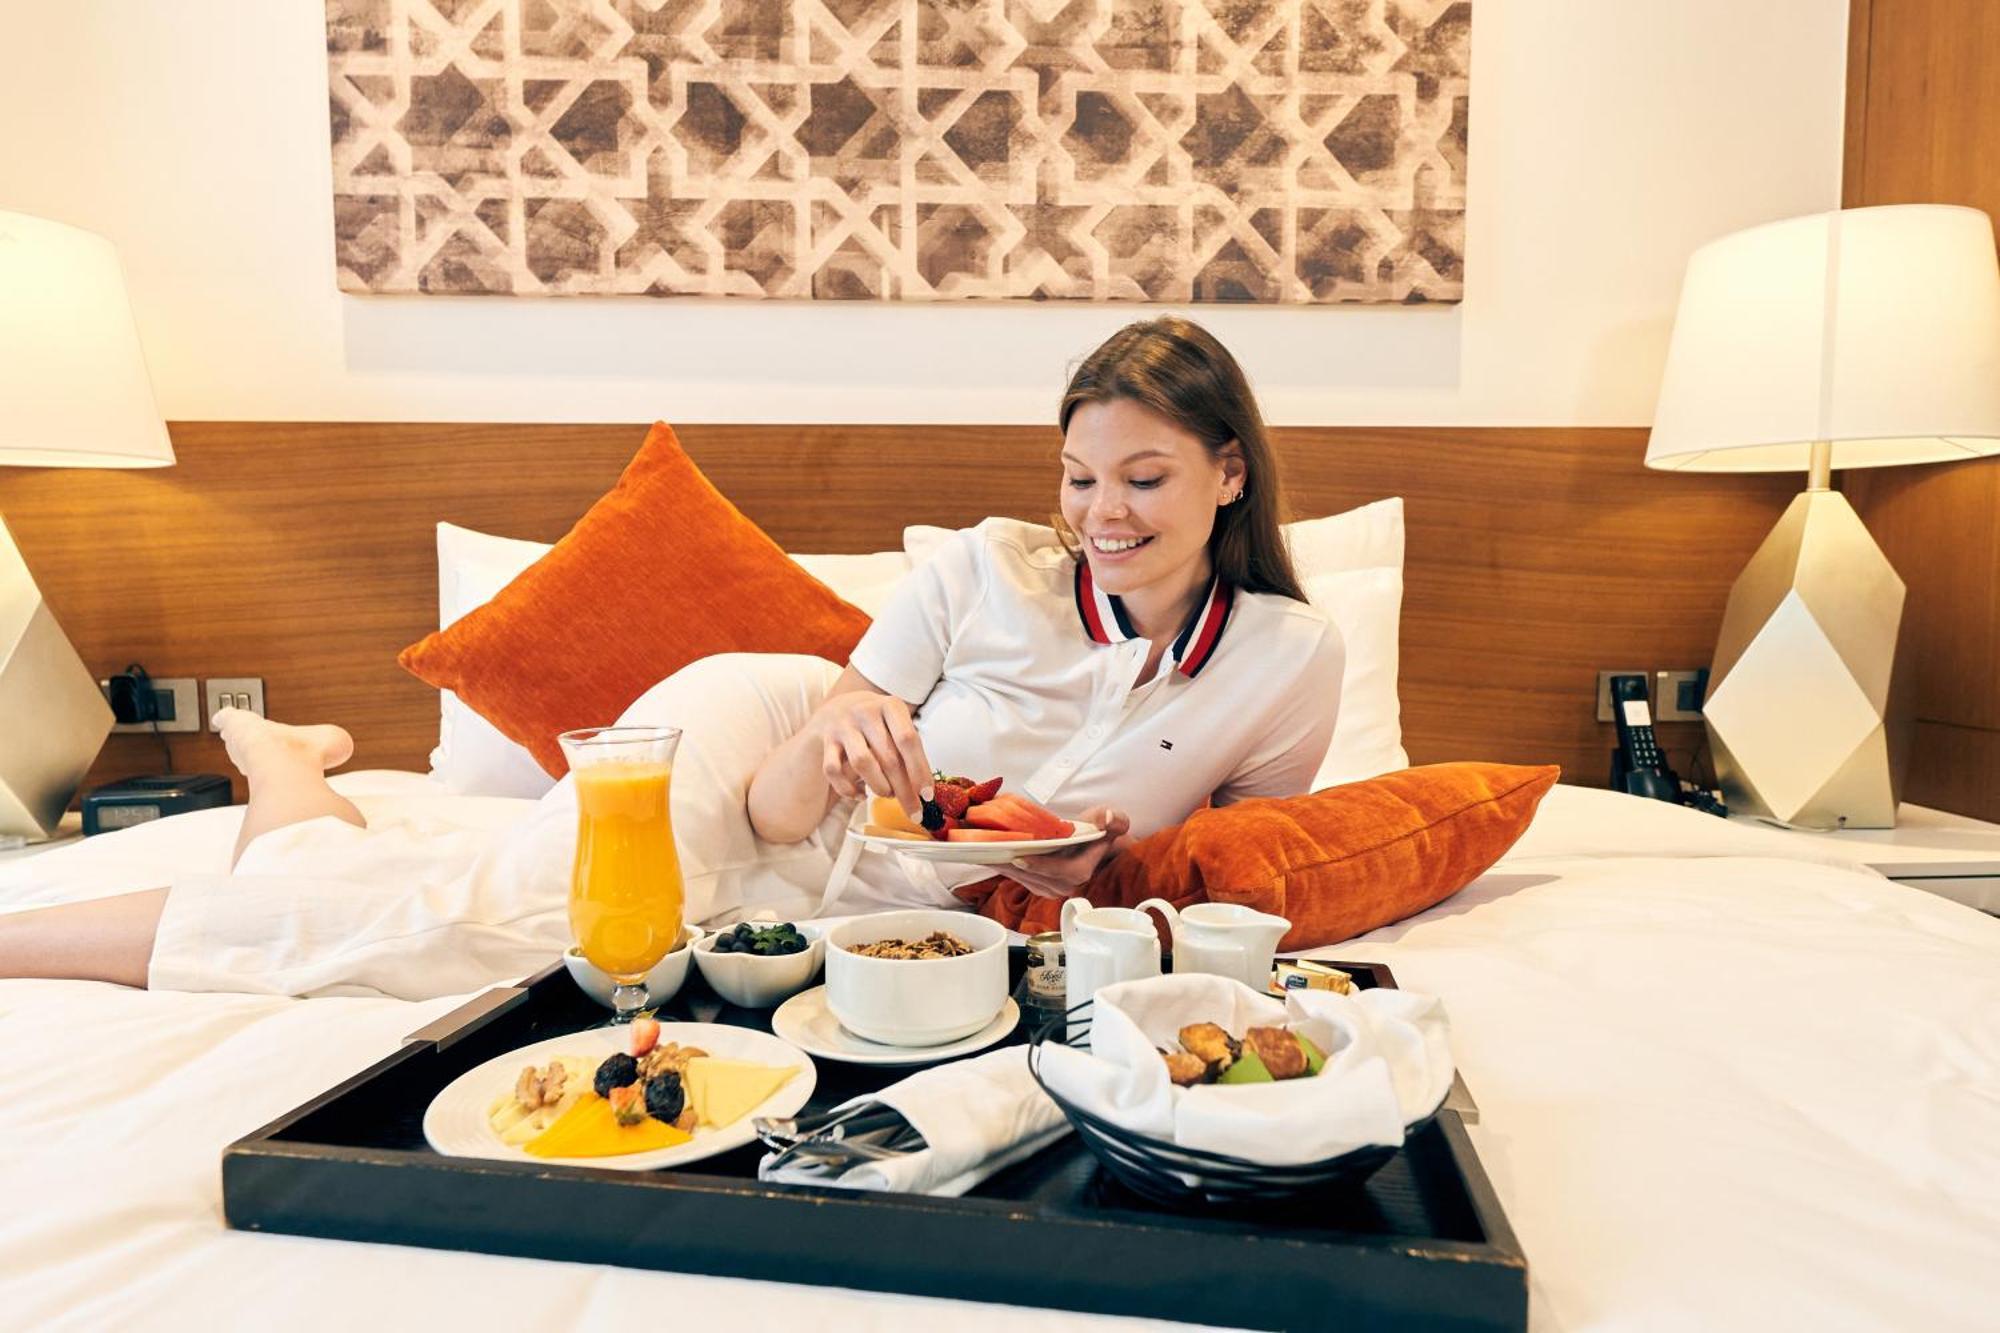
(1227, 939)
(1102, 945)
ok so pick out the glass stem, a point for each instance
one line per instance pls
(628, 999)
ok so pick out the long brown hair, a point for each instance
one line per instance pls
(1176, 368)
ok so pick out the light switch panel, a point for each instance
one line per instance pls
(245, 692)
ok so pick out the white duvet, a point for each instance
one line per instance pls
(1718, 1089)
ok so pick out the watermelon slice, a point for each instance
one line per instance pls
(1013, 812)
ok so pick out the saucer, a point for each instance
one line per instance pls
(807, 1023)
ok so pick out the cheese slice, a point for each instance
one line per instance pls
(724, 1091)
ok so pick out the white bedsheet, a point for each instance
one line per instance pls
(1718, 1090)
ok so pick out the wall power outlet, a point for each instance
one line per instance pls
(178, 704)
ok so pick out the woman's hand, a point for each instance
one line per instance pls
(868, 742)
(1064, 874)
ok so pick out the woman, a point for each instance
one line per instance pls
(1153, 653)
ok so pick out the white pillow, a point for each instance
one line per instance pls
(1351, 565)
(472, 756)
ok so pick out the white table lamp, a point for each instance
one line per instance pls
(73, 393)
(1863, 338)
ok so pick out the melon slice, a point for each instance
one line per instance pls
(590, 1129)
(885, 814)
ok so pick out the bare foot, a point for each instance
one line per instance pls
(254, 741)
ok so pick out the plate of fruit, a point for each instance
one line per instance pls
(970, 822)
(636, 1097)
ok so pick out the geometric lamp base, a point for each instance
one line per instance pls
(53, 718)
(1798, 708)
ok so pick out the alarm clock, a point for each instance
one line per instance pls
(142, 800)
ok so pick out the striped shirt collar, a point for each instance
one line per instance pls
(1105, 620)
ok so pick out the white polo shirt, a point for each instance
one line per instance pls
(1019, 667)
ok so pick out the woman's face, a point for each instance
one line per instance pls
(1141, 493)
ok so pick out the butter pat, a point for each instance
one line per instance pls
(1308, 975)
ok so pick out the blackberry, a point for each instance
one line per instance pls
(665, 1097)
(616, 1072)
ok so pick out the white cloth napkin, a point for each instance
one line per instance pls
(977, 1116)
(1388, 1064)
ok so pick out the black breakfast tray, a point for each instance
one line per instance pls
(1421, 1245)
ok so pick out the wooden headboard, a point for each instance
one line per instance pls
(305, 554)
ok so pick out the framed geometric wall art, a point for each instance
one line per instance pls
(1273, 151)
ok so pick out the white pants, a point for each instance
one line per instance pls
(417, 907)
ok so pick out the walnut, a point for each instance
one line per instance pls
(537, 1088)
(667, 1058)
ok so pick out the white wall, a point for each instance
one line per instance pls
(1609, 138)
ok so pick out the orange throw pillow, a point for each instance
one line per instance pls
(661, 572)
(1337, 863)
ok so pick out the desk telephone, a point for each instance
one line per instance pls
(1638, 765)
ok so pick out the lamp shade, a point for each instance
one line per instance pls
(72, 377)
(1875, 329)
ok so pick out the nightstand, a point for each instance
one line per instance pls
(67, 832)
(1952, 855)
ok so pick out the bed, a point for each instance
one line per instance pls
(1720, 1087)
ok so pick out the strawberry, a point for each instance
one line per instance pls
(628, 1106)
(950, 798)
(982, 792)
(645, 1035)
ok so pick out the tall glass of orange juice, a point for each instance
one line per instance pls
(625, 893)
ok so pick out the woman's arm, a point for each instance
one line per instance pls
(860, 739)
(105, 939)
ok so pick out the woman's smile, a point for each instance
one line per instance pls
(1117, 548)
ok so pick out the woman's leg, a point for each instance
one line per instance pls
(285, 767)
(111, 939)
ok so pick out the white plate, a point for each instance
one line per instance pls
(806, 1022)
(455, 1123)
(980, 853)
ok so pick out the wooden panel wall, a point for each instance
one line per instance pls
(305, 554)
(1924, 127)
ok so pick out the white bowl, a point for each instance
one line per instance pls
(759, 981)
(662, 983)
(916, 1001)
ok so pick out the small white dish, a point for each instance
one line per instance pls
(456, 1125)
(978, 853)
(759, 981)
(662, 983)
(807, 1023)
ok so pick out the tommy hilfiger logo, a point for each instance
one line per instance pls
(1166, 745)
